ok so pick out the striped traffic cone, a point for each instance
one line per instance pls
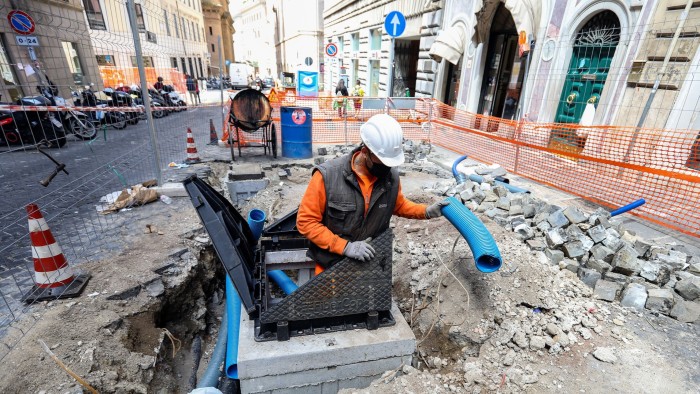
(213, 139)
(53, 278)
(192, 157)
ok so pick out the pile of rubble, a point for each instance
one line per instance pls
(616, 263)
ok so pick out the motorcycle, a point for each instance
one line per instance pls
(88, 98)
(30, 127)
(156, 103)
(174, 99)
(123, 99)
(74, 122)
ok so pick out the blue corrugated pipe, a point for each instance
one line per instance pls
(459, 177)
(287, 285)
(233, 304)
(211, 375)
(486, 254)
(256, 221)
(628, 207)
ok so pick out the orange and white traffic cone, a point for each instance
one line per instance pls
(192, 157)
(213, 138)
(53, 277)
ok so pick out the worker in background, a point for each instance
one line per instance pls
(351, 199)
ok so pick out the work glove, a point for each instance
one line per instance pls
(359, 250)
(435, 210)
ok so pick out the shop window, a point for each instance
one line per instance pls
(106, 60)
(375, 40)
(10, 88)
(93, 11)
(147, 61)
(70, 51)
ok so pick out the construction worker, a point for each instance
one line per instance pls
(351, 199)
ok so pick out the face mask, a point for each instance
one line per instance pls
(379, 170)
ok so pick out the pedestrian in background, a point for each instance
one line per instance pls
(191, 88)
(357, 102)
(342, 103)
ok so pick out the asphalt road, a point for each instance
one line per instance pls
(114, 160)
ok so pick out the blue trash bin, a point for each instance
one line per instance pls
(296, 132)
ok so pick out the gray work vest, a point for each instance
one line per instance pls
(345, 205)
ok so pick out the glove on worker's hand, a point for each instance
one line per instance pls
(435, 210)
(359, 250)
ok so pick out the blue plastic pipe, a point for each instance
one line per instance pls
(233, 304)
(486, 254)
(459, 177)
(211, 375)
(628, 207)
(256, 221)
(511, 188)
(287, 285)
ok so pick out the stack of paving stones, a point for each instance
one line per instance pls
(616, 263)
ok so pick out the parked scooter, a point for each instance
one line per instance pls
(30, 127)
(88, 98)
(74, 122)
(123, 99)
(156, 103)
(173, 98)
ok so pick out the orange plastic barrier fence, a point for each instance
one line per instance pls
(113, 77)
(609, 165)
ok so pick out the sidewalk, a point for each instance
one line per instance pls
(649, 231)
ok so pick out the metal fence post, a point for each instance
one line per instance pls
(131, 8)
(345, 126)
(221, 81)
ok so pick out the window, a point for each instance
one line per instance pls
(93, 11)
(375, 40)
(212, 48)
(355, 41)
(341, 45)
(192, 71)
(184, 27)
(70, 51)
(184, 66)
(147, 61)
(9, 88)
(195, 32)
(106, 60)
(173, 62)
(167, 25)
(201, 70)
(211, 32)
(139, 18)
(177, 31)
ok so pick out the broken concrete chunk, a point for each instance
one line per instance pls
(615, 277)
(537, 342)
(537, 244)
(525, 232)
(557, 219)
(606, 290)
(685, 311)
(515, 210)
(588, 276)
(597, 233)
(556, 237)
(677, 260)
(500, 191)
(544, 226)
(529, 211)
(649, 271)
(571, 265)
(322, 151)
(626, 261)
(555, 256)
(479, 196)
(642, 247)
(689, 288)
(605, 354)
(602, 252)
(503, 203)
(634, 296)
(574, 249)
(575, 215)
(660, 300)
(598, 265)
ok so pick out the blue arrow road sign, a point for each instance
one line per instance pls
(395, 23)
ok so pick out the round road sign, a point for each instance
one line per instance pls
(331, 49)
(21, 22)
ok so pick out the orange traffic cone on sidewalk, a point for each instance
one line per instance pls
(192, 157)
(53, 278)
(213, 139)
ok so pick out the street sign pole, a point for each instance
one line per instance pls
(391, 69)
(394, 25)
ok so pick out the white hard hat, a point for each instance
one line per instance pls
(383, 135)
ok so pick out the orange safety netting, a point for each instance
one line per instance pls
(113, 77)
(609, 165)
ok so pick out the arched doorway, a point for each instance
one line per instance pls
(504, 68)
(592, 54)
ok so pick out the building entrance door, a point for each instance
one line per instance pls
(591, 58)
(406, 67)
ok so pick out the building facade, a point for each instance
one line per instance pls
(357, 28)
(64, 52)
(254, 39)
(218, 22)
(298, 34)
(172, 38)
